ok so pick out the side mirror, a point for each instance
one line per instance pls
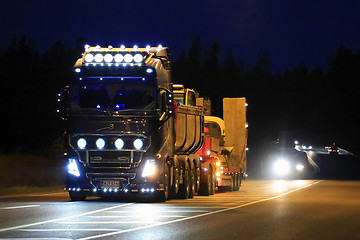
(62, 102)
(166, 104)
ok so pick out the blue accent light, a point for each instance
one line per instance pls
(149, 70)
(117, 106)
(98, 106)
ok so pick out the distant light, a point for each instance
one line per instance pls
(246, 149)
(296, 142)
(246, 104)
(149, 70)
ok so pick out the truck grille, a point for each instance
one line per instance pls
(114, 158)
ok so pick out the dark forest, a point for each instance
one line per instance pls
(319, 105)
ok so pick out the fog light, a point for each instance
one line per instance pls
(149, 168)
(73, 168)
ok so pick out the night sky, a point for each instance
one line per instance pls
(293, 32)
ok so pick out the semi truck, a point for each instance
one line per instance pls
(125, 134)
(223, 154)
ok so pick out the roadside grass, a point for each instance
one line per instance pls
(24, 173)
(18, 190)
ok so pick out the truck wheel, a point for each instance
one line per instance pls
(77, 196)
(197, 178)
(205, 188)
(236, 182)
(175, 176)
(185, 186)
(192, 182)
(164, 195)
(212, 181)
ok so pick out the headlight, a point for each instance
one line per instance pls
(81, 143)
(281, 167)
(299, 167)
(119, 143)
(100, 143)
(138, 143)
(73, 168)
(149, 168)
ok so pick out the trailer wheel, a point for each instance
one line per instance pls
(236, 182)
(192, 180)
(175, 176)
(212, 182)
(185, 186)
(205, 188)
(77, 196)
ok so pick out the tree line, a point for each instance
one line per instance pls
(320, 105)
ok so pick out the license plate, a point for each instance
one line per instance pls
(110, 183)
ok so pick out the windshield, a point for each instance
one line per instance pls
(112, 97)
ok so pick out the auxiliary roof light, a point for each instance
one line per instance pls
(100, 143)
(99, 57)
(119, 143)
(118, 58)
(128, 58)
(89, 57)
(122, 47)
(138, 58)
(138, 143)
(108, 58)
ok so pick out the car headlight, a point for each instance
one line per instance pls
(81, 143)
(281, 167)
(299, 167)
(149, 168)
(72, 167)
(138, 143)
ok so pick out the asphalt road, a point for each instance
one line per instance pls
(276, 209)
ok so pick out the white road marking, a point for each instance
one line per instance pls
(139, 216)
(64, 218)
(196, 216)
(162, 211)
(17, 207)
(113, 222)
(70, 229)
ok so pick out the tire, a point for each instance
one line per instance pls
(184, 188)
(212, 182)
(164, 195)
(205, 188)
(197, 178)
(192, 181)
(77, 196)
(237, 182)
(175, 175)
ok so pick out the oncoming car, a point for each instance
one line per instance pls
(288, 163)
